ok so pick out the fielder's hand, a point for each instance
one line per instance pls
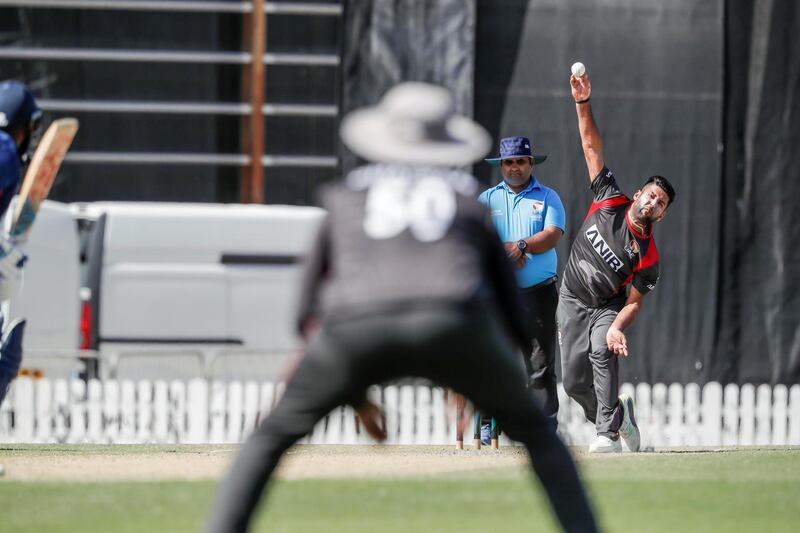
(372, 418)
(617, 342)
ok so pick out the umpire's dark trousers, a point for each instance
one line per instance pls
(540, 302)
(465, 349)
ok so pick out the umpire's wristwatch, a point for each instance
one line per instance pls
(522, 245)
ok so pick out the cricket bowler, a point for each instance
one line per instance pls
(613, 263)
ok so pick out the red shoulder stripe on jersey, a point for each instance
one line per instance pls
(650, 257)
(608, 202)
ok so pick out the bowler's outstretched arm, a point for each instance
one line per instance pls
(591, 141)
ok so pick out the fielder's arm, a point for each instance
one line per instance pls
(591, 141)
(317, 265)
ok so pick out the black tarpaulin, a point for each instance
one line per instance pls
(390, 41)
(759, 294)
(181, 82)
(703, 92)
(656, 70)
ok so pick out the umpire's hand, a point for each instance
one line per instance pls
(515, 255)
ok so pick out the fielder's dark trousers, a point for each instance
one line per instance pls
(540, 303)
(589, 370)
(465, 350)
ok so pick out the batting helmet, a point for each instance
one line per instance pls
(18, 109)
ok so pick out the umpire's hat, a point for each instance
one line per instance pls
(415, 123)
(513, 147)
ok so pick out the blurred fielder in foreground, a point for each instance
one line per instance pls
(19, 121)
(408, 278)
(614, 249)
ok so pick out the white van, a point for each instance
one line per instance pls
(192, 275)
(106, 279)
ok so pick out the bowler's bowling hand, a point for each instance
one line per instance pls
(581, 87)
(372, 418)
(617, 342)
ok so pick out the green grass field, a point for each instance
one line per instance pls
(730, 490)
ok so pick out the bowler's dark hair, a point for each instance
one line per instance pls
(664, 183)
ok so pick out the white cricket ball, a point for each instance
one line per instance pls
(578, 69)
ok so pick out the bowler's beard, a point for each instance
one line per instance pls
(639, 215)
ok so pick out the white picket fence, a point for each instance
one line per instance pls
(200, 411)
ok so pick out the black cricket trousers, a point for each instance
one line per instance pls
(463, 349)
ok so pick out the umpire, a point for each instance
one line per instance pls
(530, 220)
(408, 278)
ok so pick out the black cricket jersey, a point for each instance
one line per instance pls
(400, 237)
(608, 252)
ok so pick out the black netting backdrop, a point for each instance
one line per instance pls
(176, 82)
(658, 104)
(389, 41)
(703, 92)
(759, 294)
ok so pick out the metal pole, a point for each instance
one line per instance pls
(252, 127)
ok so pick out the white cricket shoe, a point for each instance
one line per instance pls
(629, 431)
(603, 444)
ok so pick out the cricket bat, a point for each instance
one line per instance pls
(40, 175)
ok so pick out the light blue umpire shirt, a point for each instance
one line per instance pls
(518, 216)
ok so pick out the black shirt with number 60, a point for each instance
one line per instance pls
(435, 246)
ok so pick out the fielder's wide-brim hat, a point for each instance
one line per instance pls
(513, 147)
(415, 123)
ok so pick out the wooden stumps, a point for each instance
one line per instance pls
(476, 426)
(460, 404)
(495, 435)
(477, 420)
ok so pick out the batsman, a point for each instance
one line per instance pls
(19, 127)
